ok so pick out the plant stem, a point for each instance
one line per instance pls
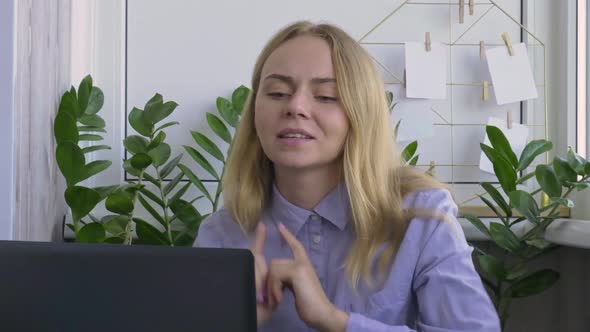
(218, 191)
(128, 228)
(165, 208)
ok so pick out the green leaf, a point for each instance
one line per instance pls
(475, 221)
(166, 125)
(90, 137)
(93, 168)
(524, 203)
(225, 108)
(202, 161)
(69, 105)
(239, 98)
(548, 180)
(119, 203)
(517, 272)
(91, 233)
(159, 112)
(505, 173)
(186, 212)
(136, 144)
(95, 148)
(409, 150)
(70, 160)
(525, 178)
(587, 168)
(582, 186)
(141, 161)
(93, 120)
(147, 193)
(195, 180)
(492, 266)
(95, 101)
(180, 192)
(207, 145)
(84, 92)
(489, 152)
(139, 123)
(531, 151)
(218, 127)
(172, 184)
(105, 191)
(115, 225)
(504, 237)
(576, 162)
(81, 200)
(130, 169)
(152, 211)
(148, 234)
(497, 197)
(160, 154)
(565, 173)
(151, 179)
(114, 240)
(565, 202)
(396, 130)
(170, 166)
(539, 243)
(501, 144)
(414, 161)
(491, 206)
(65, 129)
(157, 140)
(183, 239)
(534, 283)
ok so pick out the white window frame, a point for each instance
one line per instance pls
(7, 80)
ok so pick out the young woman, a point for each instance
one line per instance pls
(344, 237)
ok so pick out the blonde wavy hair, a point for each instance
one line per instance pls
(375, 178)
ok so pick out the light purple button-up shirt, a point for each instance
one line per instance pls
(432, 285)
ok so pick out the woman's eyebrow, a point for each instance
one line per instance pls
(289, 80)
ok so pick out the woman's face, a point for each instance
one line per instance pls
(298, 115)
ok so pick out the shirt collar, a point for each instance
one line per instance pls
(335, 208)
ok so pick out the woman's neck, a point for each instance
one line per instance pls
(306, 188)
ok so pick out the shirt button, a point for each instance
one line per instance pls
(317, 239)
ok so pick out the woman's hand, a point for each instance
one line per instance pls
(263, 307)
(299, 275)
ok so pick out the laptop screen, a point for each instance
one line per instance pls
(102, 287)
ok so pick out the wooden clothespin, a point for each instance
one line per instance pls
(471, 7)
(428, 42)
(482, 50)
(431, 168)
(508, 43)
(461, 11)
(509, 120)
(486, 91)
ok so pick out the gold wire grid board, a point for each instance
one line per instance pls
(466, 28)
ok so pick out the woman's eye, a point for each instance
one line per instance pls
(326, 99)
(277, 95)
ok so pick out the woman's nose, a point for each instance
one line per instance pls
(299, 105)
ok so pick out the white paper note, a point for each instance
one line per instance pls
(512, 77)
(517, 136)
(417, 119)
(426, 71)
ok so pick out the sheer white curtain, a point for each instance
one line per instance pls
(42, 74)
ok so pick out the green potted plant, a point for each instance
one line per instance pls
(509, 274)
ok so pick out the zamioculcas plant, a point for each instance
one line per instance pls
(510, 275)
(230, 112)
(77, 121)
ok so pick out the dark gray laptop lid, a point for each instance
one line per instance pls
(101, 287)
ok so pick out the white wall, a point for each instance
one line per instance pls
(7, 15)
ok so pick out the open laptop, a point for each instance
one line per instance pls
(100, 287)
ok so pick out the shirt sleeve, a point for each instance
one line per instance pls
(449, 293)
(209, 234)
